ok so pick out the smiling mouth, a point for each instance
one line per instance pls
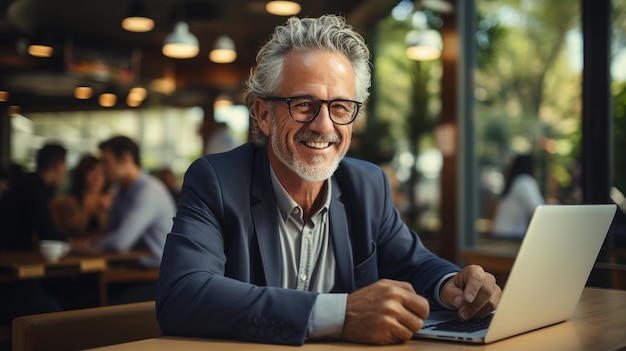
(317, 145)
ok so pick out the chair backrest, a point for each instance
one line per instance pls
(86, 328)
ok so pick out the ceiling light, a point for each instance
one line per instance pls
(166, 85)
(137, 19)
(223, 50)
(40, 46)
(137, 93)
(132, 102)
(136, 96)
(107, 99)
(83, 92)
(38, 50)
(424, 45)
(283, 8)
(222, 100)
(14, 110)
(181, 43)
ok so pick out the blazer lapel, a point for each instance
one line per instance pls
(265, 219)
(344, 281)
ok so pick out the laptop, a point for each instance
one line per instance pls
(546, 281)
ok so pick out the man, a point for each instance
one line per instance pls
(24, 208)
(285, 239)
(142, 210)
(26, 219)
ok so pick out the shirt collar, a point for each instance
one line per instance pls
(138, 184)
(286, 204)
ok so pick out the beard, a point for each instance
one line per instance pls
(315, 171)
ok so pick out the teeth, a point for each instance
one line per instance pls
(317, 145)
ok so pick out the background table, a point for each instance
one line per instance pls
(497, 257)
(28, 264)
(111, 267)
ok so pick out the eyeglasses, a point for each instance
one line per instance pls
(304, 109)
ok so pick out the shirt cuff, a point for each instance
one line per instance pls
(438, 287)
(327, 316)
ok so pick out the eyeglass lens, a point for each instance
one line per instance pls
(304, 109)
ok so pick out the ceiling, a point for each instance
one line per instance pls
(91, 31)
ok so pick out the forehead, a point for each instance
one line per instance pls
(106, 155)
(323, 74)
(97, 167)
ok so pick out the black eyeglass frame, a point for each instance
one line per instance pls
(317, 112)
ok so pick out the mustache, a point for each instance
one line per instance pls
(308, 135)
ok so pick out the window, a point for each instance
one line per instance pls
(527, 98)
(166, 136)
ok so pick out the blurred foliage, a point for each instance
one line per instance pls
(403, 105)
(403, 109)
(528, 87)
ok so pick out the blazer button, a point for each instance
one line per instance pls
(270, 332)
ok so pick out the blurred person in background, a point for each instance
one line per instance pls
(26, 219)
(16, 171)
(9, 175)
(141, 214)
(518, 201)
(82, 212)
(142, 210)
(4, 181)
(217, 136)
(80, 215)
(25, 206)
(166, 175)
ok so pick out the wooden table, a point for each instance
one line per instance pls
(111, 267)
(27, 264)
(598, 324)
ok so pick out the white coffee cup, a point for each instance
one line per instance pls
(53, 250)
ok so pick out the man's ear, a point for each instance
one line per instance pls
(263, 115)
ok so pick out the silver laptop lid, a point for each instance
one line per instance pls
(551, 268)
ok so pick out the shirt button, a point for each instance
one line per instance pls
(303, 277)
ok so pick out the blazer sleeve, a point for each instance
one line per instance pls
(195, 297)
(403, 255)
(383, 245)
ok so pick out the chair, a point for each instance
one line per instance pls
(86, 328)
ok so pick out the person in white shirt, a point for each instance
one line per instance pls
(519, 199)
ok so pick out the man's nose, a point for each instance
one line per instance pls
(322, 123)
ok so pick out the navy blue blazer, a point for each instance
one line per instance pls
(221, 267)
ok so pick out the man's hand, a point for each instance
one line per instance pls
(386, 312)
(473, 291)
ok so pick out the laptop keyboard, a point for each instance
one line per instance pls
(457, 325)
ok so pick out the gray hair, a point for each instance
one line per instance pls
(328, 33)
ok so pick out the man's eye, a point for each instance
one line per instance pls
(303, 104)
(340, 106)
